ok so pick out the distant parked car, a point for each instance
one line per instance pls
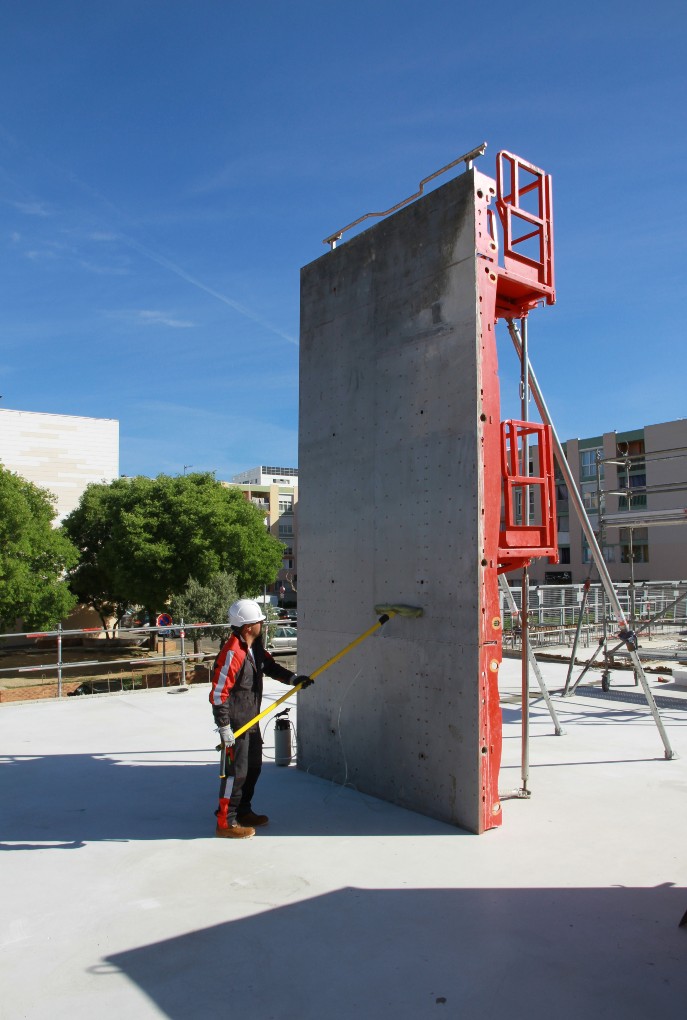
(282, 639)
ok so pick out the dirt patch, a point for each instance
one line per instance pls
(29, 674)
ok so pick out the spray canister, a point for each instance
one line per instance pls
(282, 738)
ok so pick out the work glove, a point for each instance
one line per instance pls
(302, 679)
(227, 735)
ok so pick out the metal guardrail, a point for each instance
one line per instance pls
(117, 680)
(60, 664)
(554, 610)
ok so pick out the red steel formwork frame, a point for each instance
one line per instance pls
(521, 540)
(523, 199)
(525, 209)
(490, 648)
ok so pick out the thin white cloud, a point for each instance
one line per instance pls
(32, 208)
(103, 270)
(150, 317)
(155, 318)
(172, 267)
(36, 254)
(38, 208)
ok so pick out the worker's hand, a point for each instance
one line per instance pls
(227, 735)
(303, 680)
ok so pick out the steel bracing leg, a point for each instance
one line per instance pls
(558, 729)
(616, 648)
(576, 500)
(571, 666)
(525, 601)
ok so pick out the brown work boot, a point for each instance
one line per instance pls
(250, 818)
(235, 832)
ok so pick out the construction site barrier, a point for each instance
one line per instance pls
(65, 670)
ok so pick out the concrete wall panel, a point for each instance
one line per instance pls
(390, 508)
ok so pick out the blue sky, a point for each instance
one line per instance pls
(166, 168)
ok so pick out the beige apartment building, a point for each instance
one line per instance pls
(634, 487)
(274, 490)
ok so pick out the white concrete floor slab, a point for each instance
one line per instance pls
(118, 901)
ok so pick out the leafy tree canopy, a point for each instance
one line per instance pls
(33, 556)
(141, 539)
(199, 603)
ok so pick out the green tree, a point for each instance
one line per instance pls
(141, 539)
(210, 602)
(33, 556)
(95, 580)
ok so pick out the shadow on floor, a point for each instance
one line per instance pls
(514, 953)
(66, 801)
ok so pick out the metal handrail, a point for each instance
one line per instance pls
(466, 158)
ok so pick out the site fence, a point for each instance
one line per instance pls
(122, 663)
(554, 610)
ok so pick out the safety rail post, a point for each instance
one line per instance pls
(182, 638)
(59, 660)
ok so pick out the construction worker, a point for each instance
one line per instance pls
(235, 698)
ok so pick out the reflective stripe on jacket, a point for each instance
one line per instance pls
(237, 675)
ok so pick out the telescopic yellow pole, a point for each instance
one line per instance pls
(384, 618)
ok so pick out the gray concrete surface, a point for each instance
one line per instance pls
(390, 506)
(117, 900)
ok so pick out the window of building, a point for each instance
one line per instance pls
(640, 536)
(518, 505)
(588, 463)
(635, 503)
(564, 554)
(640, 545)
(564, 522)
(634, 449)
(607, 551)
(590, 496)
(285, 529)
(268, 469)
(635, 480)
(285, 504)
(640, 553)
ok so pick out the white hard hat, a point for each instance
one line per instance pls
(245, 611)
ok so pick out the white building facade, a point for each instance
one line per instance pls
(266, 475)
(59, 452)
